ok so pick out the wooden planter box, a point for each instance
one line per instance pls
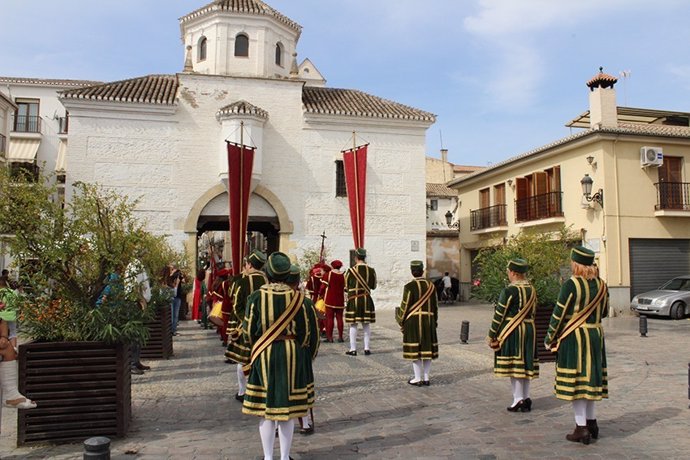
(160, 343)
(82, 389)
(542, 318)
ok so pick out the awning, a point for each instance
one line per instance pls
(61, 157)
(23, 150)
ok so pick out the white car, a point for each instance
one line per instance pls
(671, 299)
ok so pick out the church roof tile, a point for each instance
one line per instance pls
(242, 7)
(150, 89)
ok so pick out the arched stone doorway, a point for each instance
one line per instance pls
(267, 216)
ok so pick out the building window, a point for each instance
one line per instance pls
(538, 195)
(340, 185)
(242, 45)
(279, 54)
(26, 118)
(433, 205)
(202, 49)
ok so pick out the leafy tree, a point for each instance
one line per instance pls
(310, 257)
(67, 255)
(546, 253)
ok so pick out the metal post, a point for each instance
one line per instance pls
(643, 326)
(97, 448)
(464, 331)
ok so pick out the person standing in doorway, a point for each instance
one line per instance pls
(360, 280)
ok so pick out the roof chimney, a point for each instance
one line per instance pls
(603, 111)
(444, 155)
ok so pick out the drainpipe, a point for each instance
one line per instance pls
(618, 213)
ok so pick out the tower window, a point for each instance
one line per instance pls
(340, 185)
(202, 49)
(279, 54)
(242, 45)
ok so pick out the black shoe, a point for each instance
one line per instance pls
(351, 352)
(517, 407)
(426, 383)
(136, 370)
(307, 431)
(367, 352)
(416, 384)
(142, 367)
(593, 428)
(239, 397)
(527, 405)
(341, 340)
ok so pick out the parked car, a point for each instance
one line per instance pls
(671, 299)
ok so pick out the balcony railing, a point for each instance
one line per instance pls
(63, 125)
(493, 216)
(672, 195)
(539, 207)
(3, 146)
(27, 124)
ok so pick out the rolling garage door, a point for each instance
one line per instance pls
(653, 262)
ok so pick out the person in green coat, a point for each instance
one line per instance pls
(277, 328)
(360, 280)
(513, 335)
(417, 316)
(576, 334)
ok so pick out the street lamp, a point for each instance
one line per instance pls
(587, 183)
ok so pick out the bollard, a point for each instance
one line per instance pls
(464, 331)
(97, 448)
(643, 326)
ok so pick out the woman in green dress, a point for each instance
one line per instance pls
(576, 334)
(513, 336)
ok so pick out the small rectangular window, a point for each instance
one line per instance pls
(340, 185)
(433, 205)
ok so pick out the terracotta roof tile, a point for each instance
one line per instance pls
(350, 102)
(602, 80)
(251, 7)
(440, 190)
(242, 108)
(150, 89)
(48, 82)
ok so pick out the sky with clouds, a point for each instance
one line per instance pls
(502, 76)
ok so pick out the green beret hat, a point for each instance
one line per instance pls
(257, 259)
(518, 265)
(361, 253)
(278, 266)
(417, 264)
(294, 275)
(582, 255)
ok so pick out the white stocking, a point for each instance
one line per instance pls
(590, 411)
(427, 369)
(267, 430)
(515, 387)
(306, 420)
(241, 381)
(580, 409)
(367, 334)
(353, 337)
(525, 388)
(285, 432)
(8, 382)
(417, 368)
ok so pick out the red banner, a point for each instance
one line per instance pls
(355, 163)
(240, 163)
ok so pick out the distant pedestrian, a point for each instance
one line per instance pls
(360, 280)
(576, 334)
(513, 335)
(417, 316)
(174, 281)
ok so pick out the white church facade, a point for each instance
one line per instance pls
(161, 138)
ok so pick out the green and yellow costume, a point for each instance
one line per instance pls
(280, 386)
(238, 350)
(517, 356)
(360, 280)
(417, 316)
(581, 371)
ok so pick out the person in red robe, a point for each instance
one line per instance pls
(313, 288)
(333, 293)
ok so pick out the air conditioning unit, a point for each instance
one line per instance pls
(651, 156)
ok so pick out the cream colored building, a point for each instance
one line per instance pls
(637, 215)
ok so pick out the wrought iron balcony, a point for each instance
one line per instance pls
(539, 207)
(672, 195)
(27, 124)
(493, 216)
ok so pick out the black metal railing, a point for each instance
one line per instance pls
(493, 216)
(63, 123)
(3, 146)
(27, 124)
(539, 207)
(672, 195)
